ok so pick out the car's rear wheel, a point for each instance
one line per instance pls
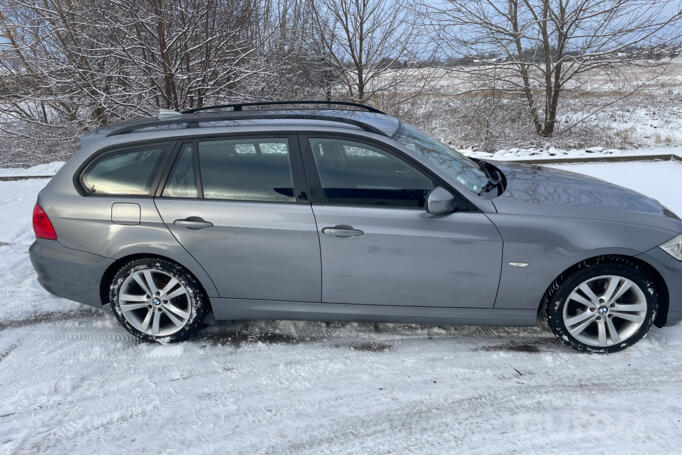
(602, 307)
(157, 300)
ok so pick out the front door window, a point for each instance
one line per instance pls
(354, 173)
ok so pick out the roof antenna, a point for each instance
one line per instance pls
(168, 114)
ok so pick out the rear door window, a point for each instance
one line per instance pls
(182, 180)
(246, 170)
(125, 172)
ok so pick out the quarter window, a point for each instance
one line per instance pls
(354, 173)
(129, 172)
(246, 169)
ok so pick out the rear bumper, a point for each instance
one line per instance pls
(671, 271)
(68, 273)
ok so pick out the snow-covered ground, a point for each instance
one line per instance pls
(553, 153)
(39, 169)
(72, 381)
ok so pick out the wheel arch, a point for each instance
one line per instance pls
(659, 282)
(109, 273)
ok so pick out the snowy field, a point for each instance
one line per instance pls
(72, 381)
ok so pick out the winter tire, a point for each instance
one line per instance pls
(157, 300)
(602, 307)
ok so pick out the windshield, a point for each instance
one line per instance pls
(455, 165)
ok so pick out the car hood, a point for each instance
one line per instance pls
(538, 190)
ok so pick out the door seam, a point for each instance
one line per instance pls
(499, 277)
(186, 250)
(319, 249)
(303, 142)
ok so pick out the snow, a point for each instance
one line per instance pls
(72, 380)
(37, 170)
(553, 153)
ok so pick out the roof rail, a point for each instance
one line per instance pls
(240, 106)
(193, 122)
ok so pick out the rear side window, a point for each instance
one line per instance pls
(126, 172)
(246, 169)
(182, 180)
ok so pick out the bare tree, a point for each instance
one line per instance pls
(364, 42)
(286, 36)
(92, 63)
(536, 48)
(69, 66)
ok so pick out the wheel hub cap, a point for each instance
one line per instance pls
(603, 310)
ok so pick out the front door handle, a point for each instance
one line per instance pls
(342, 231)
(193, 222)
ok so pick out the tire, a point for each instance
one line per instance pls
(586, 324)
(170, 309)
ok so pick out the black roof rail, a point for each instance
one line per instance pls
(240, 106)
(193, 122)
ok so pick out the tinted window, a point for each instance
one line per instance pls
(354, 173)
(125, 172)
(246, 169)
(182, 181)
(458, 166)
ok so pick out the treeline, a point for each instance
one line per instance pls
(71, 65)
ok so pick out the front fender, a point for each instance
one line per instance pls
(551, 245)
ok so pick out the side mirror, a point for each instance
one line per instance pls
(440, 201)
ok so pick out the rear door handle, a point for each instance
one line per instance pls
(193, 222)
(342, 231)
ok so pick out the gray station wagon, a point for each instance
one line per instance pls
(346, 214)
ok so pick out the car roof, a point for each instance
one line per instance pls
(374, 122)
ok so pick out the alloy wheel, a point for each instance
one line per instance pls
(605, 310)
(154, 302)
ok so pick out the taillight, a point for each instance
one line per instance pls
(42, 225)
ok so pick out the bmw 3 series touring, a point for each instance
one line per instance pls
(338, 212)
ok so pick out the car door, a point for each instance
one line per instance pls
(238, 205)
(379, 246)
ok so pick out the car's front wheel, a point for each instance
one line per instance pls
(157, 300)
(602, 307)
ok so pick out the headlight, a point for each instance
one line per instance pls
(674, 247)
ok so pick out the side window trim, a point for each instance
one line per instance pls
(159, 171)
(312, 176)
(168, 168)
(172, 163)
(197, 170)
